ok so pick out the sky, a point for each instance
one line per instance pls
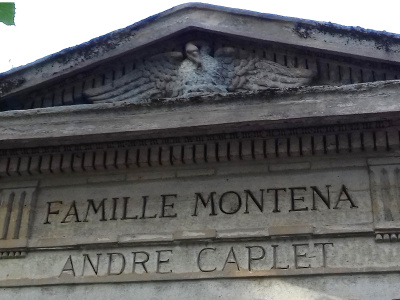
(43, 27)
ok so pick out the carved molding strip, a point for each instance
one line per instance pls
(176, 140)
(12, 254)
(197, 151)
(387, 237)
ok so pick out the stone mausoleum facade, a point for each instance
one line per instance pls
(204, 153)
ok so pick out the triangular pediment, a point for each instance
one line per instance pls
(332, 54)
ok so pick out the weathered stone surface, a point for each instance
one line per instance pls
(188, 261)
(287, 193)
(113, 121)
(101, 212)
(173, 74)
(303, 33)
(338, 287)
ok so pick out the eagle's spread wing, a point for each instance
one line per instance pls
(155, 77)
(245, 71)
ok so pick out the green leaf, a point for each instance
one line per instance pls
(7, 13)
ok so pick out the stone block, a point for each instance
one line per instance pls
(177, 155)
(195, 172)
(13, 166)
(132, 158)
(45, 165)
(56, 163)
(291, 230)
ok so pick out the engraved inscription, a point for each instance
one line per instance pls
(304, 255)
(298, 199)
(255, 257)
(222, 207)
(115, 263)
(200, 260)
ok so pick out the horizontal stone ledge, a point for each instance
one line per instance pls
(26, 282)
(378, 161)
(289, 166)
(145, 238)
(305, 106)
(195, 234)
(286, 230)
(198, 236)
(242, 233)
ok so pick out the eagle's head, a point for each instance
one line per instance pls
(193, 54)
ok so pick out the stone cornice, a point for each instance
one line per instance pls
(200, 115)
(368, 139)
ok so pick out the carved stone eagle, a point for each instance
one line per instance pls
(195, 72)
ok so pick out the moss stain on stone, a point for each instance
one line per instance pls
(9, 85)
(383, 40)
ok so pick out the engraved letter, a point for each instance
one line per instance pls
(68, 267)
(71, 212)
(233, 208)
(297, 255)
(125, 210)
(323, 252)
(199, 260)
(164, 205)
(276, 208)
(204, 202)
(51, 212)
(111, 259)
(233, 261)
(326, 200)
(96, 209)
(275, 259)
(162, 261)
(348, 198)
(114, 209)
(94, 268)
(293, 199)
(144, 209)
(142, 262)
(260, 204)
(250, 256)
